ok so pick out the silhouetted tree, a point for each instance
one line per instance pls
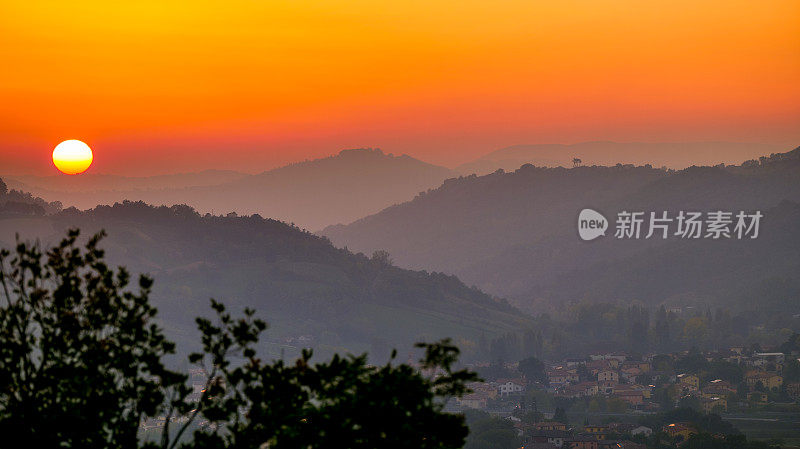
(81, 366)
(80, 354)
(340, 403)
(533, 369)
(382, 257)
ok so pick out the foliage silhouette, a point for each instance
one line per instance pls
(82, 365)
(80, 354)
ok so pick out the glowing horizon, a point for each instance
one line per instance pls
(169, 87)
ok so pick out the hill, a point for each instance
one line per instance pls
(311, 293)
(311, 194)
(676, 155)
(18, 203)
(515, 234)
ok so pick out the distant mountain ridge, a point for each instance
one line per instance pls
(514, 234)
(89, 182)
(675, 155)
(312, 194)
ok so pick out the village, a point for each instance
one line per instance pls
(605, 400)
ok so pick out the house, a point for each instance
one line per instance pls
(613, 359)
(477, 400)
(539, 446)
(557, 378)
(632, 397)
(647, 390)
(608, 376)
(630, 445)
(666, 376)
(765, 358)
(718, 387)
(641, 366)
(560, 375)
(489, 389)
(615, 444)
(714, 404)
(618, 356)
(580, 390)
(508, 387)
(553, 437)
(606, 388)
(734, 358)
(630, 374)
(581, 442)
(642, 430)
(596, 429)
(572, 363)
(621, 427)
(595, 366)
(679, 429)
(590, 388)
(549, 425)
(767, 380)
(689, 382)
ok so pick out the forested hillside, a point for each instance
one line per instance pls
(515, 234)
(312, 294)
(676, 155)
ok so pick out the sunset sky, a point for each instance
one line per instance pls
(173, 86)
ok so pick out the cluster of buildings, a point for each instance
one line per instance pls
(555, 435)
(609, 375)
(635, 381)
(485, 392)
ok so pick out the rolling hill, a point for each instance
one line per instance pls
(676, 155)
(515, 234)
(311, 293)
(311, 194)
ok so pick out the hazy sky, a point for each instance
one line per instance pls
(163, 86)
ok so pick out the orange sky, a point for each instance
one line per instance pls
(164, 86)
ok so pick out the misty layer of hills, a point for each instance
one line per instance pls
(515, 234)
(355, 183)
(310, 194)
(311, 293)
(676, 155)
(88, 182)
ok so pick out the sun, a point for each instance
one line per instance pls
(72, 157)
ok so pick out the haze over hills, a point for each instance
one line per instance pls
(312, 294)
(675, 155)
(89, 182)
(515, 234)
(312, 194)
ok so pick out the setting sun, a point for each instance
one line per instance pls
(72, 157)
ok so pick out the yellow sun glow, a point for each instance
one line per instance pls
(72, 157)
